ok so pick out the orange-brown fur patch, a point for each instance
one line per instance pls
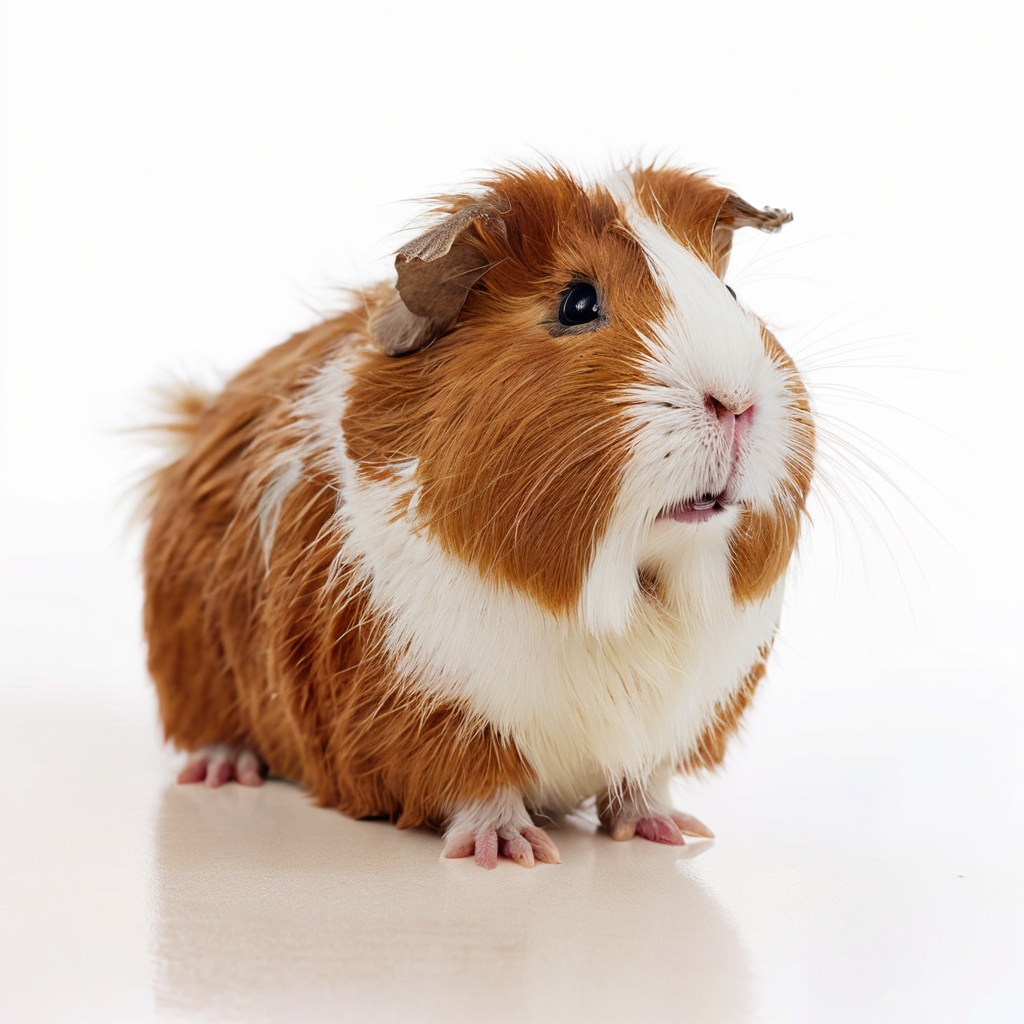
(687, 206)
(520, 441)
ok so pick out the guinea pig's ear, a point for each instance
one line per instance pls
(737, 213)
(435, 274)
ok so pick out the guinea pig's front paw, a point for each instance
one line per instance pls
(217, 763)
(501, 825)
(525, 846)
(629, 810)
(667, 828)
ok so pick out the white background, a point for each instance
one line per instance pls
(185, 184)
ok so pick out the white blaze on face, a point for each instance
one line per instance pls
(707, 346)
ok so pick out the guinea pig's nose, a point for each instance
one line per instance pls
(720, 409)
(735, 423)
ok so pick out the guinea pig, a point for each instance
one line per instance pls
(508, 534)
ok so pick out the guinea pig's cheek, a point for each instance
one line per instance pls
(771, 489)
(760, 548)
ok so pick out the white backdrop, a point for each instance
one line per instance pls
(185, 183)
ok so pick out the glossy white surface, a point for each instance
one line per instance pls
(852, 879)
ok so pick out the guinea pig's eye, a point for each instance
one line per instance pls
(730, 291)
(579, 304)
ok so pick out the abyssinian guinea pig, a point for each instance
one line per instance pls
(508, 534)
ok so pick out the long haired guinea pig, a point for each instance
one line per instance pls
(507, 535)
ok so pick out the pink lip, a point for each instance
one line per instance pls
(700, 510)
(735, 427)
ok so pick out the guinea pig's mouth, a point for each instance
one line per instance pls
(698, 510)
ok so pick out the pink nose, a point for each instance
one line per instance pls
(735, 425)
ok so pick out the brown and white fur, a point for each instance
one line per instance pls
(439, 557)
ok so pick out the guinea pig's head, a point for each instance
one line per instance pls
(591, 411)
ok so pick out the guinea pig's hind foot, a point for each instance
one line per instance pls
(217, 763)
(501, 826)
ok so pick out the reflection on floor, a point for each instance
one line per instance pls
(358, 910)
(127, 897)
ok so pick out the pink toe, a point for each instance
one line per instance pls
(194, 771)
(518, 849)
(247, 769)
(487, 849)
(461, 844)
(660, 830)
(544, 849)
(218, 773)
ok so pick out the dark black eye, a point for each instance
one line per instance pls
(579, 304)
(731, 292)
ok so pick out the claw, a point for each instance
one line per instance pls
(623, 830)
(690, 826)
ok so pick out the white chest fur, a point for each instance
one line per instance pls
(585, 708)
